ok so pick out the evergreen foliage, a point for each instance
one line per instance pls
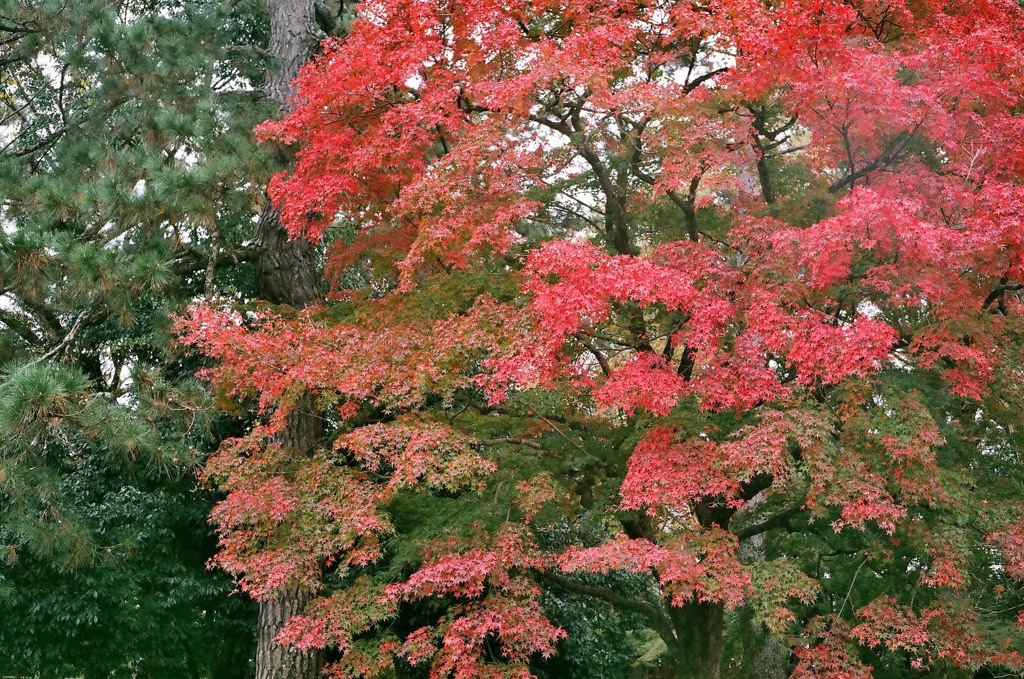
(129, 183)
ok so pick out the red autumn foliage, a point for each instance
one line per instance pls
(579, 201)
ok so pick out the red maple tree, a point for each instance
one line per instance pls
(754, 263)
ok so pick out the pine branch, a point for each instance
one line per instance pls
(69, 338)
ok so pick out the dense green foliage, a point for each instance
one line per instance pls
(130, 181)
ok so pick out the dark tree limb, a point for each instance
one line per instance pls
(888, 155)
(658, 618)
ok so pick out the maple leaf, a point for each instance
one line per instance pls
(704, 247)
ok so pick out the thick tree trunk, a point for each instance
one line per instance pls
(274, 661)
(769, 661)
(293, 37)
(696, 632)
(286, 269)
(764, 176)
(287, 273)
(699, 629)
(303, 433)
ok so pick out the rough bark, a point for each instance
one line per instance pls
(286, 269)
(287, 273)
(769, 661)
(293, 37)
(274, 661)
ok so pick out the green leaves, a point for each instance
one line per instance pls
(141, 602)
(37, 398)
(129, 180)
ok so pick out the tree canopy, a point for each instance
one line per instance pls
(705, 312)
(661, 338)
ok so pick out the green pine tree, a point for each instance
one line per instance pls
(129, 185)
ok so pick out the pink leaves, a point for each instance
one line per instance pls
(835, 657)
(319, 515)
(972, 365)
(465, 574)
(519, 626)
(336, 620)
(433, 454)
(861, 494)
(664, 471)
(496, 603)
(701, 567)
(821, 350)
(574, 285)
(1011, 541)
(483, 149)
(946, 632)
(739, 379)
(644, 383)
